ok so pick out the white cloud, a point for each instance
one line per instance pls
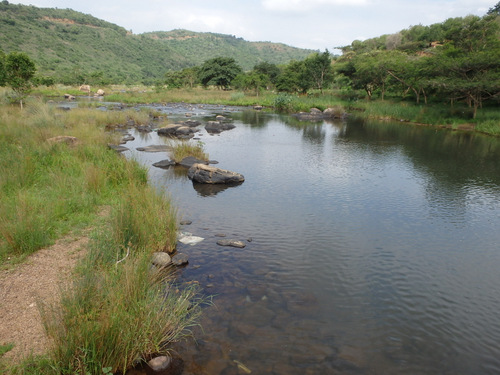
(305, 5)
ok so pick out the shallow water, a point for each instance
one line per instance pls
(371, 248)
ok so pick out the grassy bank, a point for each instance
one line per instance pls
(117, 311)
(458, 116)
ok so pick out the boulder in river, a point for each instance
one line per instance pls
(177, 130)
(207, 174)
(214, 127)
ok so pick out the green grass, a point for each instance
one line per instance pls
(117, 311)
(183, 149)
(487, 120)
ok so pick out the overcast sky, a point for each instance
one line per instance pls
(314, 24)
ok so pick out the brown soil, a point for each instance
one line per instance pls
(22, 289)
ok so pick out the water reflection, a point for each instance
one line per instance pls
(374, 249)
(211, 190)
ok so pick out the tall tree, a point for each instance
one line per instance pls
(219, 71)
(319, 68)
(19, 69)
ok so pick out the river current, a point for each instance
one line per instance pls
(371, 248)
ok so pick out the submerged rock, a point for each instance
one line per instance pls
(232, 243)
(188, 239)
(180, 259)
(164, 164)
(155, 148)
(118, 148)
(211, 175)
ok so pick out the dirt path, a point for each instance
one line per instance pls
(38, 279)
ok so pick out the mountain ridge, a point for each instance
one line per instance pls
(74, 47)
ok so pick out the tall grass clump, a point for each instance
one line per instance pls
(121, 311)
(117, 316)
(184, 149)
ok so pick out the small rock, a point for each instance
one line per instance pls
(232, 243)
(220, 235)
(164, 164)
(186, 222)
(190, 161)
(180, 259)
(160, 363)
(128, 138)
(63, 139)
(118, 148)
(161, 259)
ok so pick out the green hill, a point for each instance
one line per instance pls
(74, 47)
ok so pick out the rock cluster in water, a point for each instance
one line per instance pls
(316, 114)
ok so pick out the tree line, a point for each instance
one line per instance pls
(457, 60)
(454, 61)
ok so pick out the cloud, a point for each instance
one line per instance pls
(306, 5)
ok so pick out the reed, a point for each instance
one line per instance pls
(183, 149)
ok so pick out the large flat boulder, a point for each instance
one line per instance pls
(207, 174)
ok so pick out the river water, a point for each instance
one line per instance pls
(371, 248)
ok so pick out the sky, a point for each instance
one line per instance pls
(313, 24)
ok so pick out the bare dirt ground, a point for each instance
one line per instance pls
(23, 287)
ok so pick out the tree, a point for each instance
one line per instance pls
(294, 78)
(219, 71)
(268, 69)
(251, 81)
(2, 69)
(319, 68)
(19, 70)
(494, 10)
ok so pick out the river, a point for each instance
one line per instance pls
(371, 248)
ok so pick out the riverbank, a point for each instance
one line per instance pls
(57, 175)
(456, 117)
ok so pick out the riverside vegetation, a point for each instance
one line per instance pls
(117, 312)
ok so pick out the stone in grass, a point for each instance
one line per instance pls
(165, 365)
(232, 243)
(161, 259)
(180, 259)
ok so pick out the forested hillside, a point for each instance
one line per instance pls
(453, 61)
(74, 47)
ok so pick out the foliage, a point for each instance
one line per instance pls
(457, 60)
(219, 71)
(19, 71)
(283, 102)
(319, 68)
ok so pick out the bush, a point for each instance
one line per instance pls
(283, 102)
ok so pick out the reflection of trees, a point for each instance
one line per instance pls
(455, 162)
(312, 131)
(256, 119)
